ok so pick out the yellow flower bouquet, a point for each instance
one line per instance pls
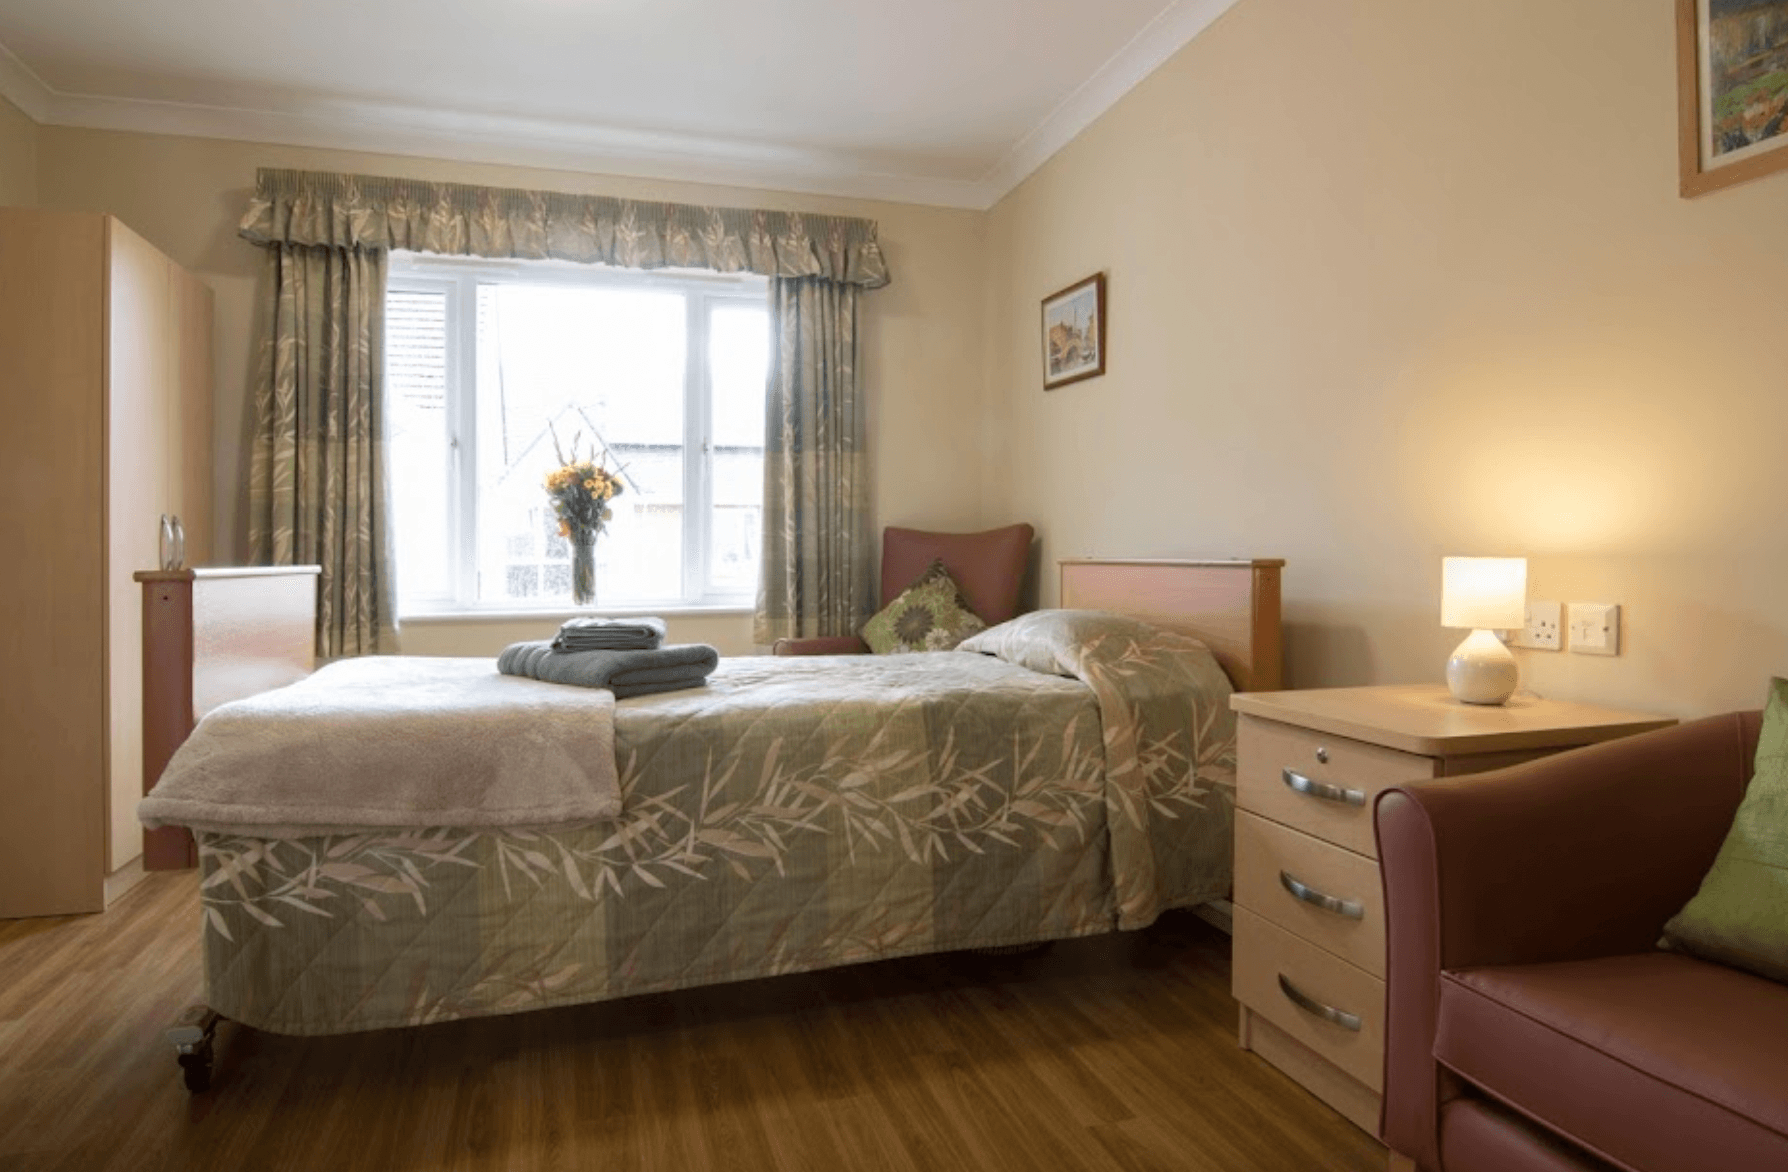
(580, 491)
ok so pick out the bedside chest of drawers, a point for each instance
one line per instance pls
(1309, 962)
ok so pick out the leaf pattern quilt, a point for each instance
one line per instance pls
(795, 814)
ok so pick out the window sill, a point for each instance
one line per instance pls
(560, 614)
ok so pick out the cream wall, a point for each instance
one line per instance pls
(1390, 280)
(921, 336)
(18, 157)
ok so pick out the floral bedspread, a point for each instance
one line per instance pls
(797, 813)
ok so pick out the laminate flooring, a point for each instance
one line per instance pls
(1116, 1052)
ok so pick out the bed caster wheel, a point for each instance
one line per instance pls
(196, 1068)
(191, 1040)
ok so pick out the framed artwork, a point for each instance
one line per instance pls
(1731, 91)
(1074, 333)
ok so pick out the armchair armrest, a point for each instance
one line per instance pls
(821, 645)
(1579, 855)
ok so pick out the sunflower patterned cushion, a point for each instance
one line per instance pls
(929, 615)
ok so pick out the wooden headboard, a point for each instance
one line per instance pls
(1232, 605)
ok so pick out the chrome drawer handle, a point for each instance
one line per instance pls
(1319, 789)
(1353, 909)
(1301, 999)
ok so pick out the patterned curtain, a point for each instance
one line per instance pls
(815, 578)
(317, 492)
(452, 219)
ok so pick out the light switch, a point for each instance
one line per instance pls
(1594, 628)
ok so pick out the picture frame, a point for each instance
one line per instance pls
(1074, 333)
(1731, 92)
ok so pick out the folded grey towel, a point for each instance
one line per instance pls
(639, 634)
(625, 673)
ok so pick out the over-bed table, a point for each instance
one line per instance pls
(1075, 777)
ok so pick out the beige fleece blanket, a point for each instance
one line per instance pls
(395, 741)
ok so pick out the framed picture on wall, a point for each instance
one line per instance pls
(1732, 91)
(1074, 333)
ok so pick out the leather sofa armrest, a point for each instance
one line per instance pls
(821, 645)
(1579, 855)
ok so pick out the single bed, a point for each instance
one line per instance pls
(1073, 777)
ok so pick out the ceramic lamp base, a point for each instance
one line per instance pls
(1482, 670)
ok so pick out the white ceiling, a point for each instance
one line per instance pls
(931, 101)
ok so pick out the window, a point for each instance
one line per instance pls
(663, 374)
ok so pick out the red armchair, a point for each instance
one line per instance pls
(988, 566)
(1532, 1024)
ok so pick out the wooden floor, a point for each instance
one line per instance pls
(1117, 1052)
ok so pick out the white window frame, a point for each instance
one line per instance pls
(458, 279)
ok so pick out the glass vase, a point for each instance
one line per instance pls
(583, 567)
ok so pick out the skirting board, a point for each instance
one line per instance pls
(1219, 913)
(123, 879)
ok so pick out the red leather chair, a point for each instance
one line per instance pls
(988, 566)
(1532, 1024)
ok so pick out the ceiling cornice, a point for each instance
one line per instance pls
(24, 88)
(400, 130)
(521, 142)
(1170, 31)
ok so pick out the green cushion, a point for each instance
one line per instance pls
(1740, 915)
(929, 615)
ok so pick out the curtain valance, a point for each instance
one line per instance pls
(365, 211)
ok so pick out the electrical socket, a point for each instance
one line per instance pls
(1542, 631)
(1595, 628)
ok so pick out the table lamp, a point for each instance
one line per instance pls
(1482, 594)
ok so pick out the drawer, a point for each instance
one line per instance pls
(1270, 754)
(1267, 855)
(1266, 956)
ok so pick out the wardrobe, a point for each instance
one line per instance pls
(105, 425)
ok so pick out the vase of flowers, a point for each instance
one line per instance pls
(583, 566)
(580, 490)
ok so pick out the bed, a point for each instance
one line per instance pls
(1073, 775)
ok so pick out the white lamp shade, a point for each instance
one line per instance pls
(1483, 593)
